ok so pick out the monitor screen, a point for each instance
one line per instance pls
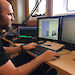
(27, 32)
(68, 29)
(49, 28)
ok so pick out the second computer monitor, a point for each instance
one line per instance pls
(68, 29)
(27, 32)
(49, 28)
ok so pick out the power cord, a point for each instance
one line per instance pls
(48, 70)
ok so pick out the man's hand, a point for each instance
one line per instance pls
(30, 46)
(49, 55)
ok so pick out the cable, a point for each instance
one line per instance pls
(48, 70)
(33, 10)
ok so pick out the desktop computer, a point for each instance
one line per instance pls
(49, 28)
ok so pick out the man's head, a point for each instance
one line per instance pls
(6, 14)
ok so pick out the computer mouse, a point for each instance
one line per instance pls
(47, 45)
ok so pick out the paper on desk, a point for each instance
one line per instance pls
(54, 45)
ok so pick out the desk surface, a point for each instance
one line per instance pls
(65, 64)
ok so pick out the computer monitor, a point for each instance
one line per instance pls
(68, 30)
(49, 28)
(27, 32)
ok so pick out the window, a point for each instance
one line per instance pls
(59, 7)
(71, 5)
(63, 7)
(41, 8)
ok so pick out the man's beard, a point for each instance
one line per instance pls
(4, 27)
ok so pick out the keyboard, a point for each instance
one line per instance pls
(38, 50)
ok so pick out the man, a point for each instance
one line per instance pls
(6, 66)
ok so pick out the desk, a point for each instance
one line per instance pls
(64, 65)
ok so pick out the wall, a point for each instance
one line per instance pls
(19, 10)
(49, 7)
(14, 3)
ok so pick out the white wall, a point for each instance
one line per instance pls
(19, 10)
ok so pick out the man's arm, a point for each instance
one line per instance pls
(10, 50)
(9, 69)
(31, 66)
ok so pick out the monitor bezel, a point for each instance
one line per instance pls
(59, 29)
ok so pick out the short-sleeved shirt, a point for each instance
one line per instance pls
(3, 56)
